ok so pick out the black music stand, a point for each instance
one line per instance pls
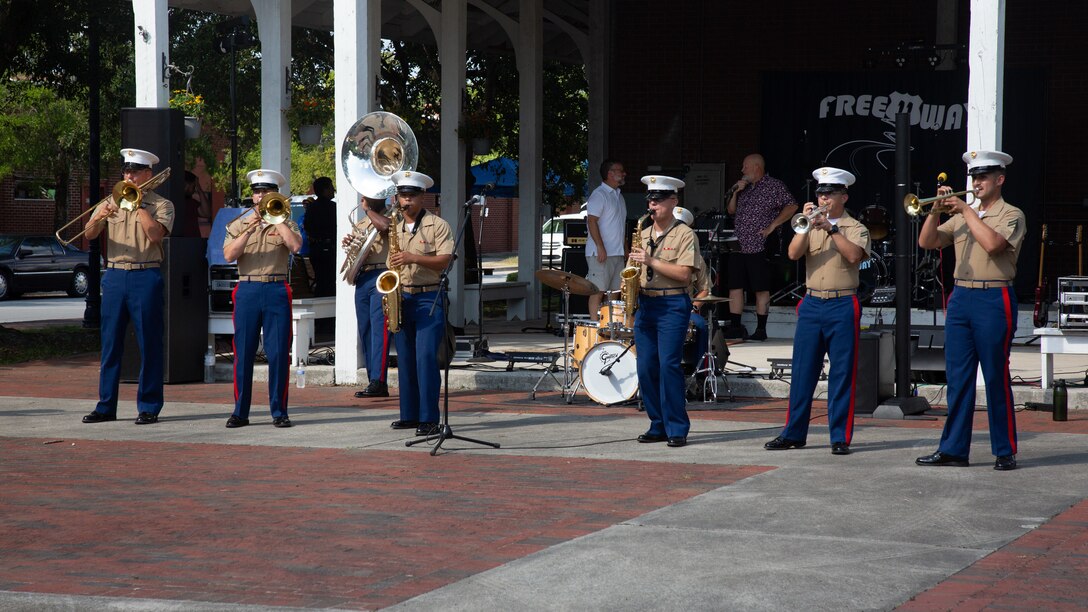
(445, 432)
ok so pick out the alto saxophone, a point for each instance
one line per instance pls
(388, 282)
(631, 276)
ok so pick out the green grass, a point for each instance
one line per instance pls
(17, 346)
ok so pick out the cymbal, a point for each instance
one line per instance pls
(711, 299)
(557, 279)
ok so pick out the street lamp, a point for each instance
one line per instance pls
(233, 35)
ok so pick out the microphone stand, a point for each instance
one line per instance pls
(445, 432)
(480, 354)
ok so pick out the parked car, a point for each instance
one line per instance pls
(551, 243)
(40, 263)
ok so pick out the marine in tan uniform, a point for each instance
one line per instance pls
(262, 299)
(132, 289)
(981, 318)
(426, 246)
(667, 257)
(373, 331)
(829, 316)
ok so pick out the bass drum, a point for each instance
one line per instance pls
(875, 218)
(872, 273)
(618, 384)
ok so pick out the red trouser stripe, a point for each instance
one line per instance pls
(854, 370)
(1006, 378)
(385, 349)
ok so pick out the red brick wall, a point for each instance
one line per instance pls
(500, 228)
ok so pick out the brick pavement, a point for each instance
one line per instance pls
(346, 528)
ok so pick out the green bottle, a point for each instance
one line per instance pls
(1061, 401)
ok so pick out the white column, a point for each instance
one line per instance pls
(152, 41)
(451, 51)
(986, 60)
(597, 79)
(357, 36)
(530, 57)
(274, 30)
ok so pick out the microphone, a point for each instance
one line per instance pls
(488, 187)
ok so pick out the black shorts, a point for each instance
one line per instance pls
(750, 271)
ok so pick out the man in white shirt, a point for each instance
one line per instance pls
(606, 219)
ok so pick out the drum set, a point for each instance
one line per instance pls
(600, 356)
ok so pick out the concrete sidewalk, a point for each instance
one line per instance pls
(570, 513)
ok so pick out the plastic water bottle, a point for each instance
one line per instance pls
(209, 365)
(1061, 401)
(300, 377)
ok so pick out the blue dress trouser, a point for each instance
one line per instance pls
(978, 330)
(825, 327)
(694, 351)
(417, 356)
(135, 295)
(373, 333)
(660, 326)
(257, 307)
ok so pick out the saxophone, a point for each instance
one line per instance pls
(631, 276)
(388, 282)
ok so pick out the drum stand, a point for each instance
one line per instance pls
(570, 384)
(711, 370)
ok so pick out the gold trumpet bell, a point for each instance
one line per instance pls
(127, 195)
(274, 208)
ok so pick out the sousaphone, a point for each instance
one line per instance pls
(377, 146)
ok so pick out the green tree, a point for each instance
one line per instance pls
(41, 132)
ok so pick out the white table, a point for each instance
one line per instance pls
(1054, 341)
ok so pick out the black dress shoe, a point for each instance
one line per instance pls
(428, 429)
(281, 421)
(1008, 462)
(939, 458)
(98, 417)
(234, 421)
(376, 388)
(146, 418)
(648, 437)
(760, 335)
(404, 424)
(840, 448)
(678, 441)
(781, 443)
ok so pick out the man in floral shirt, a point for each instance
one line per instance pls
(761, 203)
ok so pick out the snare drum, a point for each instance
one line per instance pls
(876, 219)
(585, 337)
(614, 322)
(619, 383)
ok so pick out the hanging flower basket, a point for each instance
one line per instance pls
(192, 128)
(309, 134)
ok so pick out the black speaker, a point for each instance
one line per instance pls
(574, 261)
(185, 315)
(162, 132)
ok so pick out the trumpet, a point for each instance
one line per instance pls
(916, 206)
(127, 195)
(802, 223)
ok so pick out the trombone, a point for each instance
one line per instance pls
(273, 209)
(127, 195)
(916, 206)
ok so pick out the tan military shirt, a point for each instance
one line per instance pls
(379, 252)
(126, 241)
(700, 279)
(678, 246)
(430, 236)
(265, 251)
(972, 261)
(826, 268)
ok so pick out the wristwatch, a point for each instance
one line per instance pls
(834, 230)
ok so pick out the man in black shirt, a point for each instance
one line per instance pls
(320, 226)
